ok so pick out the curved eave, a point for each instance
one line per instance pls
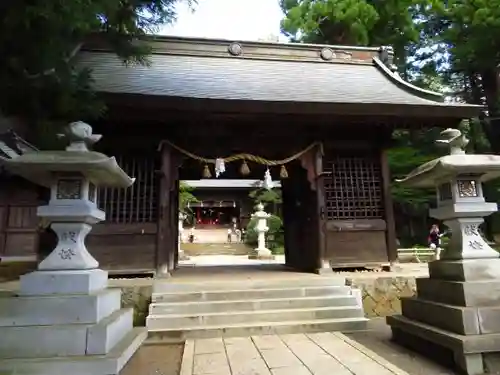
(401, 83)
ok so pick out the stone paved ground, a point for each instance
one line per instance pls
(374, 346)
(378, 340)
(296, 354)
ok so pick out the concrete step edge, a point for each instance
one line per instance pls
(250, 284)
(261, 324)
(219, 302)
(245, 290)
(256, 312)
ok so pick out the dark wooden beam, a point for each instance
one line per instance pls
(164, 236)
(392, 249)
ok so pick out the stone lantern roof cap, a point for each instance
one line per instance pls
(443, 169)
(39, 167)
(487, 167)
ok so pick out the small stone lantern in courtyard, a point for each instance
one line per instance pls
(458, 307)
(64, 319)
(181, 254)
(261, 252)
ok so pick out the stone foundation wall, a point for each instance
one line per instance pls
(382, 295)
(139, 298)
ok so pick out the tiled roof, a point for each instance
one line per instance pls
(11, 145)
(268, 73)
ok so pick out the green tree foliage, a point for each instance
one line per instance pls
(269, 198)
(353, 22)
(463, 37)
(39, 43)
(186, 197)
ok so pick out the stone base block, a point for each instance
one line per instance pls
(65, 340)
(59, 309)
(461, 320)
(261, 257)
(183, 255)
(465, 270)
(324, 271)
(464, 351)
(460, 293)
(109, 364)
(63, 282)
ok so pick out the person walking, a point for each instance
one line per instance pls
(434, 240)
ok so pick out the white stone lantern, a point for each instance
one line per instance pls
(261, 252)
(458, 306)
(181, 254)
(64, 319)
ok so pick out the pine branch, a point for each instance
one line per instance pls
(52, 71)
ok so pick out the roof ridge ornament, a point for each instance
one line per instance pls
(454, 139)
(386, 55)
(235, 49)
(80, 137)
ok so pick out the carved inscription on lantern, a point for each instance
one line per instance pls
(471, 232)
(66, 254)
(467, 188)
(69, 189)
(69, 236)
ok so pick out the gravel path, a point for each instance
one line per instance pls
(155, 360)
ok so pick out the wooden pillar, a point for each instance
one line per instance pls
(174, 213)
(322, 263)
(392, 249)
(164, 232)
(287, 225)
(176, 229)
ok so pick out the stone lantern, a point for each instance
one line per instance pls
(181, 254)
(64, 319)
(458, 307)
(261, 252)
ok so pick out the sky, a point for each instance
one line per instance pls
(228, 19)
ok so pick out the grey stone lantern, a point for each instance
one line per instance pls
(64, 318)
(458, 307)
(73, 176)
(458, 179)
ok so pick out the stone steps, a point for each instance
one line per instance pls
(255, 329)
(241, 317)
(221, 248)
(251, 294)
(181, 311)
(252, 305)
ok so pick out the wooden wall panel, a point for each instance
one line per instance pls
(126, 241)
(124, 252)
(20, 230)
(356, 232)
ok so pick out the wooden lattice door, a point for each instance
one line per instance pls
(354, 208)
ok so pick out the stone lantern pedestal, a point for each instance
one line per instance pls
(261, 252)
(65, 320)
(457, 309)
